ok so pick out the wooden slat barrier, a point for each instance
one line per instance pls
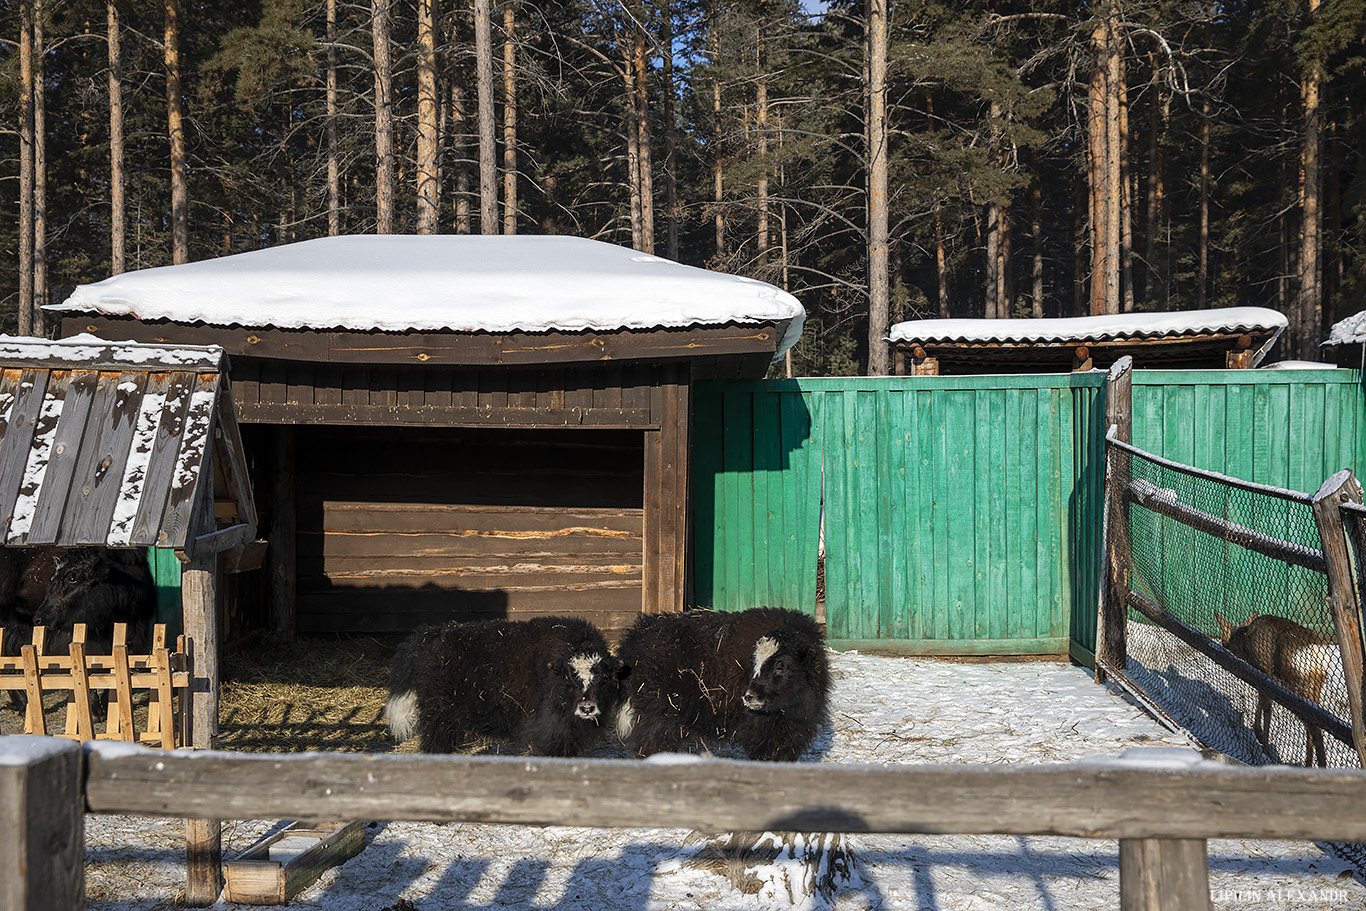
(1161, 804)
(162, 673)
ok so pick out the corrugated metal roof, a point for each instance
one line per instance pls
(123, 444)
(1084, 330)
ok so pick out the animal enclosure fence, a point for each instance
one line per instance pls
(1161, 811)
(164, 674)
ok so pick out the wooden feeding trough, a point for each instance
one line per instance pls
(461, 427)
(1233, 337)
(284, 863)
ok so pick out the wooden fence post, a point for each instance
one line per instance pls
(42, 816)
(1163, 874)
(1111, 628)
(1343, 597)
(203, 837)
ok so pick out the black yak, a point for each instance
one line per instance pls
(549, 684)
(97, 586)
(757, 677)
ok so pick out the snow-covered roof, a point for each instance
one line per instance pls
(1349, 331)
(463, 283)
(1084, 330)
(109, 442)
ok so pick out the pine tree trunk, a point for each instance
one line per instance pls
(509, 118)
(666, 41)
(1036, 242)
(640, 61)
(175, 127)
(630, 112)
(25, 167)
(428, 132)
(117, 207)
(459, 130)
(1310, 303)
(761, 135)
(1126, 195)
(991, 260)
(488, 152)
(1202, 242)
(718, 190)
(384, 114)
(333, 169)
(40, 292)
(941, 269)
(1114, 179)
(879, 304)
(1098, 170)
(1153, 220)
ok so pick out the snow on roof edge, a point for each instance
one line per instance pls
(86, 347)
(1083, 329)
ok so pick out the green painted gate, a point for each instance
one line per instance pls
(962, 514)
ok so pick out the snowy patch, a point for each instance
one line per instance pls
(1087, 329)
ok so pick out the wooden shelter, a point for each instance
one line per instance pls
(128, 445)
(1234, 337)
(464, 453)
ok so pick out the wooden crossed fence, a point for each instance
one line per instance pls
(164, 674)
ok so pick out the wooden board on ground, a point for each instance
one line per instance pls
(281, 865)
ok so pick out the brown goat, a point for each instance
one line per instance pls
(1295, 656)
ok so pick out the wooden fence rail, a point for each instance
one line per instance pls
(1161, 804)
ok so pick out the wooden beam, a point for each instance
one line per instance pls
(216, 542)
(446, 348)
(1123, 798)
(444, 416)
(281, 558)
(1112, 623)
(42, 813)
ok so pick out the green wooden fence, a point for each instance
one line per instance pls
(962, 514)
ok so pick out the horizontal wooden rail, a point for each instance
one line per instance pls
(1162, 502)
(1122, 798)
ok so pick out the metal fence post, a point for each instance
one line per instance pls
(1343, 597)
(42, 816)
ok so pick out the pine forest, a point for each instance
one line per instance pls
(882, 161)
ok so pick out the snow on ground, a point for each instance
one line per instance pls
(891, 710)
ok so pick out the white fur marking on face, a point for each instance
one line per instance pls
(764, 649)
(583, 666)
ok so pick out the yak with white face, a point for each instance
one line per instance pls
(758, 678)
(549, 685)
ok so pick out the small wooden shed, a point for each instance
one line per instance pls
(129, 445)
(461, 427)
(1230, 337)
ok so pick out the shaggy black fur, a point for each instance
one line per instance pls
(548, 684)
(694, 675)
(97, 586)
(57, 587)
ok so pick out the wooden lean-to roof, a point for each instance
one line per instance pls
(121, 444)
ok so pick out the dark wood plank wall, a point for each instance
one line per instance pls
(403, 526)
(589, 395)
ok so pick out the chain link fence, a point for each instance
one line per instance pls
(1198, 555)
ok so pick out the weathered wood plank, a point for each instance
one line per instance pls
(1101, 799)
(189, 476)
(1343, 596)
(28, 388)
(43, 817)
(100, 468)
(166, 444)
